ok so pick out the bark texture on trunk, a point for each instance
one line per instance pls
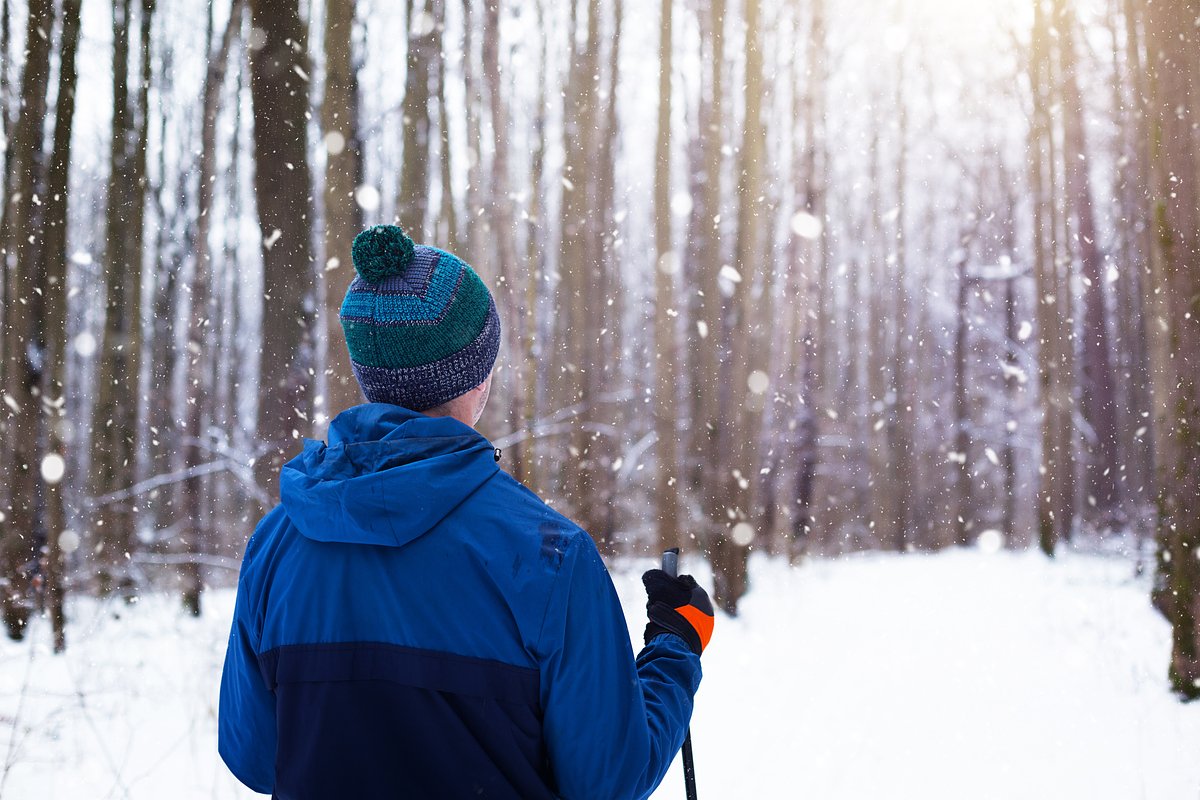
(1175, 352)
(54, 323)
(279, 82)
(343, 215)
(23, 527)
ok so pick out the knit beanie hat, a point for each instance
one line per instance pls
(420, 325)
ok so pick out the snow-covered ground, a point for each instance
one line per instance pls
(960, 675)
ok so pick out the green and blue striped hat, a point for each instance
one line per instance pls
(420, 325)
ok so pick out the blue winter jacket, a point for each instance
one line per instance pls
(411, 622)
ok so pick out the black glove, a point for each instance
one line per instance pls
(678, 606)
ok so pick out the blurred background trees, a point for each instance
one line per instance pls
(777, 275)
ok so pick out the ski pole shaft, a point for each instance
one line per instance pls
(670, 565)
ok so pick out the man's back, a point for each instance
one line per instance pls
(412, 622)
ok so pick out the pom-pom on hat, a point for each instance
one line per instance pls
(420, 325)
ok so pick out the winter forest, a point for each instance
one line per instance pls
(790, 278)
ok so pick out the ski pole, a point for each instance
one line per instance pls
(670, 565)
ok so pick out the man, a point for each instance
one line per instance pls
(411, 622)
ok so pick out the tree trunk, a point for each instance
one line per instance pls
(114, 421)
(1138, 444)
(705, 340)
(502, 225)
(1098, 388)
(343, 216)
(19, 548)
(283, 192)
(527, 462)
(5, 131)
(604, 343)
(818, 323)
(900, 417)
(667, 264)
(746, 402)
(446, 229)
(472, 237)
(54, 325)
(1050, 524)
(200, 323)
(577, 265)
(878, 457)
(424, 46)
(1174, 294)
(963, 505)
(1011, 389)
(110, 441)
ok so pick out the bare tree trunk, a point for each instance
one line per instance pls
(283, 192)
(5, 80)
(706, 339)
(742, 433)
(603, 344)
(1012, 382)
(23, 527)
(815, 339)
(446, 229)
(54, 324)
(1098, 388)
(6, 132)
(577, 265)
(1063, 401)
(963, 505)
(900, 418)
(1175, 355)
(1138, 444)
(110, 429)
(473, 240)
(229, 352)
(200, 324)
(880, 481)
(424, 46)
(114, 422)
(343, 216)
(667, 264)
(1011, 388)
(502, 224)
(527, 461)
(1051, 525)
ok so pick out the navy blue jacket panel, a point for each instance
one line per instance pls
(412, 622)
(349, 707)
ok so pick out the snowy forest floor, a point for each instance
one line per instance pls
(958, 675)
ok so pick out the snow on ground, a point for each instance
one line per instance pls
(958, 675)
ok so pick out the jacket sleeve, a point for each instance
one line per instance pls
(246, 734)
(612, 724)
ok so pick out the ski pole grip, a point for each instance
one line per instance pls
(670, 561)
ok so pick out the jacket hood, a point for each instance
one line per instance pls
(387, 476)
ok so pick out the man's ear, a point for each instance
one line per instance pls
(480, 395)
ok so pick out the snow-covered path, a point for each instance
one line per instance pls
(960, 675)
(954, 676)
